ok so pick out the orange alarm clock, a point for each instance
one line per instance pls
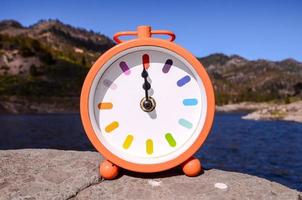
(147, 105)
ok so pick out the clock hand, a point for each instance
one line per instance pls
(147, 103)
(146, 85)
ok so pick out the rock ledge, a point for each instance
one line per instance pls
(56, 174)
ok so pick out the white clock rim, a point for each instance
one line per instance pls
(139, 160)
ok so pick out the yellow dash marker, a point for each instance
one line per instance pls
(105, 106)
(128, 141)
(149, 146)
(109, 128)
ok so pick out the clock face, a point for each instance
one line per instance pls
(116, 106)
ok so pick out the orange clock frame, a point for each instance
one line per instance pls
(144, 34)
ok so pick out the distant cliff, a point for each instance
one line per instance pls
(49, 60)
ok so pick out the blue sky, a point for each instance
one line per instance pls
(269, 29)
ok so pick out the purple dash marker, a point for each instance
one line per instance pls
(125, 68)
(167, 66)
(109, 84)
(184, 80)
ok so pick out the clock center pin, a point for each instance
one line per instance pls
(148, 105)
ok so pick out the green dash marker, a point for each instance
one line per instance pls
(170, 140)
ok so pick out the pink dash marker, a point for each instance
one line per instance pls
(109, 84)
(125, 68)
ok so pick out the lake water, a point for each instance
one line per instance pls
(268, 149)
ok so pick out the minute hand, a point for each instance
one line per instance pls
(146, 85)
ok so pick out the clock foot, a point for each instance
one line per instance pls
(192, 167)
(108, 170)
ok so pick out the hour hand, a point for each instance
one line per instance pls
(147, 103)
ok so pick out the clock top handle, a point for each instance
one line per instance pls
(144, 32)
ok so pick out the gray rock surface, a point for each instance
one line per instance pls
(56, 174)
(46, 174)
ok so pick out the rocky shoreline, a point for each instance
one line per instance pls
(242, 107)
(57, 174)
(266, 111)
(25, 105)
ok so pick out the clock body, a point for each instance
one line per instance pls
(111, 105)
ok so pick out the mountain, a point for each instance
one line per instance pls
(59, 40)
(59, 36)
(47, 62)
(237, 79)
(49, 58)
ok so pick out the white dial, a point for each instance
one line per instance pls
(121, 124)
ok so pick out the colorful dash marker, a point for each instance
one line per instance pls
(125, 68)
(184, 80)
(109, 84)
(167, 66)
(128, 141)
(149, 146)
(185, 123)
(105, 106)
(170, 139)
(190, 102)
(146, 61)
(109, 128)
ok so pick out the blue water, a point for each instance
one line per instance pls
(268, 149)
